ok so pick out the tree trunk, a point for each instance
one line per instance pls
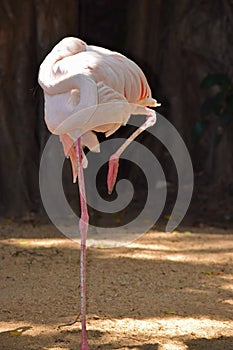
(28, 31)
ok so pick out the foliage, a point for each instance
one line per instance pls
(219, 105)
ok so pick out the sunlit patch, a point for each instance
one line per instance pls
(172, 345)
(156, 247)
(170, 326)
(227, 287)
(45, 242)
(167, 332)
(56, 348)
(227, 277)
(212, 250)
(228, 301)
(176, 257)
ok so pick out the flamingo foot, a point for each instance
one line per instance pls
(113, 165)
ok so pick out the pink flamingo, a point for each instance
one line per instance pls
(90, 89)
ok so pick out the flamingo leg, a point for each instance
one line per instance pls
(113, 163)
(83, 227)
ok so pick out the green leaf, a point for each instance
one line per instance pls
(216, 79)
(169, 312)
(209, 273)
(199, 128)
(212, 104)
(16, 333)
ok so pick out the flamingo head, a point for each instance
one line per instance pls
(69, 46)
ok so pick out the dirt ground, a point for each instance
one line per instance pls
(163, 292)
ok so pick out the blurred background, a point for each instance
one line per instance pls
(184, 48)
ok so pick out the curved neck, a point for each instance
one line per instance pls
(48, 80)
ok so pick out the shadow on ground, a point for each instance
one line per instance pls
(68, 340)
(221, 343)
(164, 287)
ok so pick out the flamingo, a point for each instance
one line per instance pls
(90, 89)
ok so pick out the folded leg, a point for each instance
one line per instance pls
(114, 159)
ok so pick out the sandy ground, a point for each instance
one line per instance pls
(163, 292)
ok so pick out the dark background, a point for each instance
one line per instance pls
(176, 43)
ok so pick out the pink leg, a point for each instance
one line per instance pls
(83, 227)
(114, 159)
